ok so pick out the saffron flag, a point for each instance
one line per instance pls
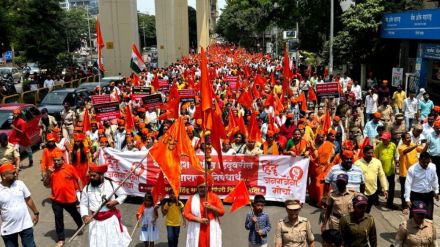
(100, 43)
(245, 99)
(361, 147)
(312, 95)
(168, 152)
(155, 82)
(327, 123)
(239, 196)
(302, 99)
(86, 121)
(136, 80)
(254, 130)
(205, 84)
(286, 66)
(158, 192)
(129, 122)
(136, 62)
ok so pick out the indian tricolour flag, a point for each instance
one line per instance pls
(136, 63)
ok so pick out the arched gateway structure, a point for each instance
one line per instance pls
(119, 26)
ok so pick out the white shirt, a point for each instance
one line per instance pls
(151, 117)
(119, 138)
(91, 197)
(410, 107)
(48, 83)
(371, 103)
(13, 208)
(421, 180)
(427, 130)
(357, 92)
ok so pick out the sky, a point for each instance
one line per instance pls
(148, 5)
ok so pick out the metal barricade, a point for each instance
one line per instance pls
(29, 97)
(68, 84)
(15, 98)
(90, 79)
(75, 83)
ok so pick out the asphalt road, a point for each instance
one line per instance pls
(234, 233)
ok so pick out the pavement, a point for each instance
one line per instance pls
(234, 233)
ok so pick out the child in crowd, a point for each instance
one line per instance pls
(258, 224)
(147, 214)
(172, 211)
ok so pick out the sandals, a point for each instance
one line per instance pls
(59, 244)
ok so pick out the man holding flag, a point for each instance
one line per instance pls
(202, 211)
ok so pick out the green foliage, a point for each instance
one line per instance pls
(64, 60)
(75, 26)
(147, 24)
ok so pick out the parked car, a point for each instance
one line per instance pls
(90, 86)
(13, 72)
(54, 101)
(112, 78)
(32, 68)
(30, 114)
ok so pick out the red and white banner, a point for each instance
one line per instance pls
(277, 177)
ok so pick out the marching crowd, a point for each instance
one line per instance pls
(358, 147)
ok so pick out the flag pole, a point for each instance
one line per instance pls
(208, 159)
(107, 199)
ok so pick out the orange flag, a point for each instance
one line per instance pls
(217, 132)
(205, 84)
(254, 130)
(278, 104)
(361, 147)
(312, 95)
(241, 125)
(302, 99)
(136, 80)
(155, 82)
(245, 99)
(168, 152)
(286, 66)
(86, 121)
(327, 122)
(158, 192)
(140, 211)
(239, 196)
(100, 43)
(129, 122)
(272, 79)
(232, 125)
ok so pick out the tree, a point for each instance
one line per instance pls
(147, 26)
(76, 28)
(39, 30)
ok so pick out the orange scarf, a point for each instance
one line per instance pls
(275, 150)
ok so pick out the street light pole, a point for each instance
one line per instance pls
(143, 32)
(332, 17)
(90, 36)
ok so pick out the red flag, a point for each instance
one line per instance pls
(239, 196)
(232, 125)
(245, 99)
(312, 95)
(129, 122)
(168, 152)
(100, 43)
(158, 192)
(361, 147)
(327, 123)
(217, 132)
(86, 121)
(325, 72)
(247, 71)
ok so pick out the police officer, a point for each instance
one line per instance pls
(417, 231)
(358, 228)
(339, 203)
(397, 128)
(68, 118)
(294, 230)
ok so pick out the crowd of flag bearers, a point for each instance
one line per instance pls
(356, 145)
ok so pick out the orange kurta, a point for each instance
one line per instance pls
(215, 201)
(319, 166)
(300, 148)
(81, 168)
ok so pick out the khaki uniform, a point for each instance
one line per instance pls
(387, 113)
(397, 130)
(340, 204)
(68, 121)
(412, 235)
(8, 154)
(356, 126)
(255, 151)
(358, 232)
(296, 235)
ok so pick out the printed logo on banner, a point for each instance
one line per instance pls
(296, 173)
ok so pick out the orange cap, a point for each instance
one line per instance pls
(7, 167)
(98, 168)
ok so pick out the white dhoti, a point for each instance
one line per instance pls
(107, 233)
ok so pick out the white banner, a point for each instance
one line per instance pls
(277, 177)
